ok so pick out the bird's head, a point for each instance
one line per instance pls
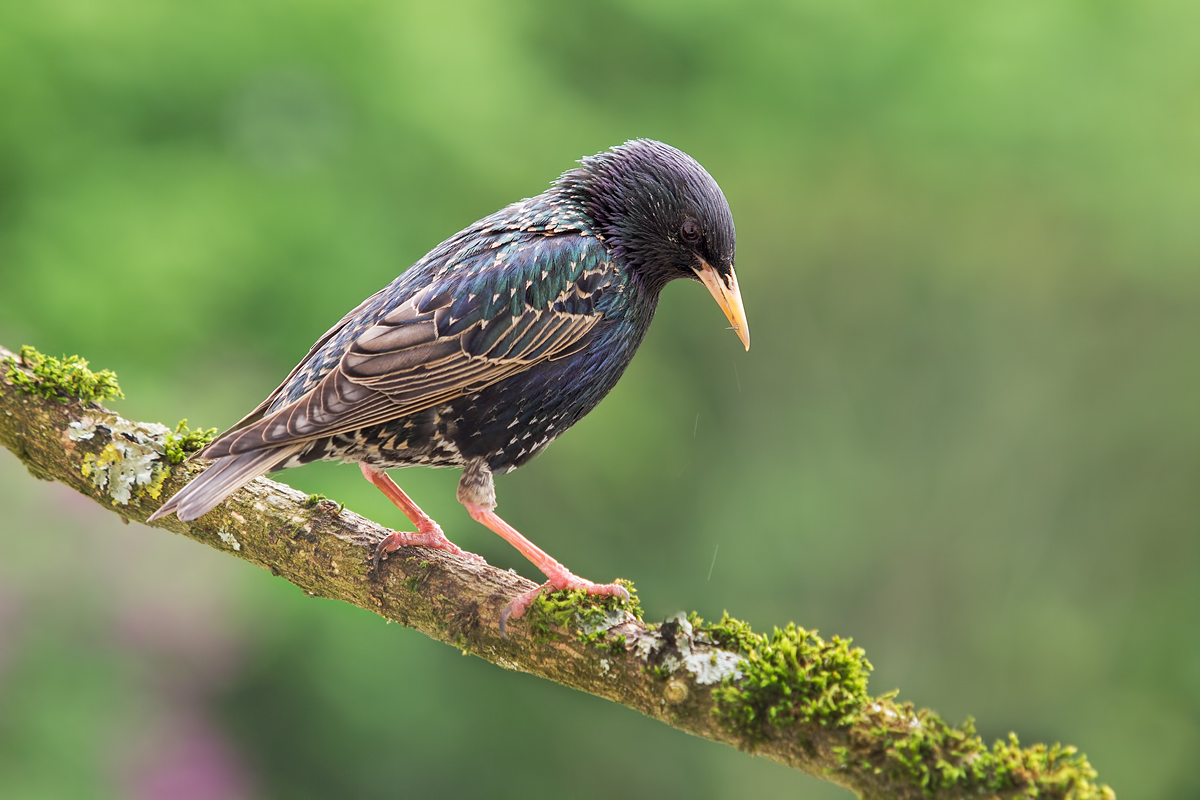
(664, 217)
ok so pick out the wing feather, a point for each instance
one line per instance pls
(482, 320)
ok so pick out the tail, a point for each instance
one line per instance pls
(223, 478)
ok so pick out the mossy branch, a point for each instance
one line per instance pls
(790, 696)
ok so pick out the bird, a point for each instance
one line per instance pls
(492, 345)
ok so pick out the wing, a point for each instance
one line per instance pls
(497, 310)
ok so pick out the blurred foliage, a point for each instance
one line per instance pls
(967, 434)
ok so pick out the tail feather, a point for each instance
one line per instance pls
(223, 478)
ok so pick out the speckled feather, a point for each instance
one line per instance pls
(494, 343)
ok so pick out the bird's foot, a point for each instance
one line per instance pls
(429, 533)
(564, 580)
(559, 576)
(430, 538)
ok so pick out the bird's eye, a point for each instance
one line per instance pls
(690, 230)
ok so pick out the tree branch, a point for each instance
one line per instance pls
(791, 697)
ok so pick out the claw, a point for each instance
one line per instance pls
(518, 606)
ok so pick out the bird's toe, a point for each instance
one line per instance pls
(521, 603)
(435, 539)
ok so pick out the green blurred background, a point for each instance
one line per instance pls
(967, 435)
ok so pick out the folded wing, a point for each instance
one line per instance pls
(497, 312)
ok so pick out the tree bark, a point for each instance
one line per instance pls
(712, 682)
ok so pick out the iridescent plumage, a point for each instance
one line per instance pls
(494, 343)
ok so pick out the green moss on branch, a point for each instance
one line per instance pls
(61, 379)
(590, 616)
(183, 441)
(903, 745)
(793, 677)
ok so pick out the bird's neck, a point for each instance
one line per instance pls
(574, 191)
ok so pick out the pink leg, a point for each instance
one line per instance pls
(429, 533)
(560, 577)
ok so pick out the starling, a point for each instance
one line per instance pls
(497, 341)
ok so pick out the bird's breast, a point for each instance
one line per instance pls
(510, 422)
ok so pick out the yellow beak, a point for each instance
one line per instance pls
(728, 297)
